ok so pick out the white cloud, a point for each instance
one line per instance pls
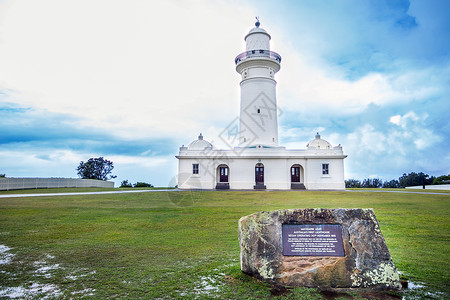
(405, 120)
(40, 163)
(142, 161)
(366, 140)
(154, 67)
(165, 70)
(395, 119)
(401, 146)
(317, 88)
(144, 68)
(413, 127)
(393, 141)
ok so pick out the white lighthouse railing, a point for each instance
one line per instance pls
(258, 53)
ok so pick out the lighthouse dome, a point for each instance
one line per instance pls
(200, 144)
(319, 143)
(257, 39)
(257, 30)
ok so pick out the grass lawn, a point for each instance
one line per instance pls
(185, 244)
(77, 190)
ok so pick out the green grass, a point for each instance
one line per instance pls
(76, 190)
(55, 190)
(185, 244)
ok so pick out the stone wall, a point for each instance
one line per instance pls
(43, 183)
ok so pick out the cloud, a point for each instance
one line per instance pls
(310, 90)
(403, 144)
(124, 65)
(414, 126)
(366, 36)
(134, 80)
(40, 162)
(403, 121)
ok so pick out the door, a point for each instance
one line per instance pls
(223, 172)
(259, 174)
(295, 174)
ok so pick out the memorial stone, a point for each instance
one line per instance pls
(324, 248)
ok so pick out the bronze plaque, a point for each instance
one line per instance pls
(312, 240)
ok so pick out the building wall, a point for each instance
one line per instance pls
(203, 180)
(315, 180)
(276, 173)
(43, 183)
(242, 173)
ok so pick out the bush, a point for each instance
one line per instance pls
(142, 184)
(352, 183)
(126, 184)
(367, 183)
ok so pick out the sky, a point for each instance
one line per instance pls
(133, 80)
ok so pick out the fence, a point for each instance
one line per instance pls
(43, 183)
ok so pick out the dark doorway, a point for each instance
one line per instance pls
(295, 174)
(259, 174)
(223, 174)
(296, 180)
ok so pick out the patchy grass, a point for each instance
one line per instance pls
(185, 244)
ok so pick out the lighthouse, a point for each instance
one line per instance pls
(254, 160)
(258, 106)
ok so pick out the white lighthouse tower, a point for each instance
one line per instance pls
(258, 111)
(258, 162)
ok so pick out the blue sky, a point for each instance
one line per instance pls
(134, 80)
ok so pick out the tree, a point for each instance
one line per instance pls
(444, 179)
(393, 184)
(125, 184)
(352, 183)
(414, 179)
(372, 183)
(2, 175)
(96, 168)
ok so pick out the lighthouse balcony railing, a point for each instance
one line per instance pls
(258, 53)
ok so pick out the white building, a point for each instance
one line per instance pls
(258, 162)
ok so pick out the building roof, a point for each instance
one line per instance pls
(200, 144)
(319, 143)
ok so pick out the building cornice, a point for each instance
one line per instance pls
(256, 156)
